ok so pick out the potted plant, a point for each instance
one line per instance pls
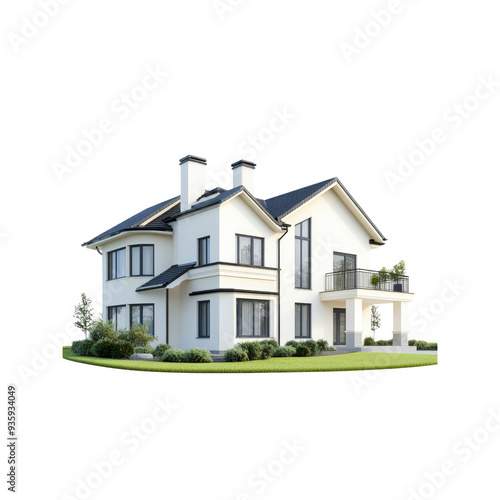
(381, 277)
(398, 270)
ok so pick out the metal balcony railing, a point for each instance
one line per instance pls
(351, 279)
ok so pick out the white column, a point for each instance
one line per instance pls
(400, 323)
(354, 322)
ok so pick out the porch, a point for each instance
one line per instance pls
(351, 293)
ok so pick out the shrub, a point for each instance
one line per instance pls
(322, 345)
(284, 352)
(235, 355)
(412, 343)
(138, 336)
(432, 346)
(160, 350)
(197, 355)
(312, 345)
(253, 349)
(332, 348)
(75, 346)
(144, 350)
(103, 330)
(85, 347)
(369, 341)
(384, 342)
(303, 351)
(173, 356)
(271, 342)
(267, 351)
(122, 349)
(292, 343)
(103, 348)
(421, 345)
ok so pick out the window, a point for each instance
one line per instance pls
(303, 321)
(116, 264)
(250, 250)
(143, 314)
(204, 319)
(303, 254)
(142, 260)
(118, 315)
(252, 318)
(204, 251)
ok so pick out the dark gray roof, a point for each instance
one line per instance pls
(281, 205)
(166, 277)
(137, 219)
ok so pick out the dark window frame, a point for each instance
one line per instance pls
(306, 286)
(110, 267)
(205, 240)
(252, 242)
(201, 304)
(142, 316)
(238, 319)
(301, 305)
(141, 260)
(109, 308)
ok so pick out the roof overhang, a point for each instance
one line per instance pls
(122, 233)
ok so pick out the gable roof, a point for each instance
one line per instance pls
(134, 222)
(166, 277)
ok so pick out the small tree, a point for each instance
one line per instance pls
(84, 315)
(375, 320)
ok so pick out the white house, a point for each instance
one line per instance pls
(212, 268)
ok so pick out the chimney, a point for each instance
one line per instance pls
(243, 174)
(192, 180)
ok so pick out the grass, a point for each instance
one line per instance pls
(354, 361)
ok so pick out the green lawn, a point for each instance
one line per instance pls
(354, 361)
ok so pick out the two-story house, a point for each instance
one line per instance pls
(212, 268)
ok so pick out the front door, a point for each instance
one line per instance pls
(338, 326)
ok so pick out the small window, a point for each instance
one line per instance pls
(250, 250)
(116, 264)
(204, 251)
(252, 318)
(142, 260)
(118, 315)
(143, 314)
(303, 254)
(204, 319)
(303, 321)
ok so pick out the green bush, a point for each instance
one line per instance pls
(271, 342)
(103, 330)
(292, 343)
(412, 343)
(103, 348)
(322, 345)
(384, 342)
(267, 351)
(85, 347)
(284, 352)
(173, 356)
(160, 349)
(432, 346)
(303, 351)
(312, 345)
(421, 345)
(253, 349)
(197, 355)
(235, 355)
(332, 348)
(75, 346)
(122, 349)
(138, 336)
(144, 350)
(369, 341)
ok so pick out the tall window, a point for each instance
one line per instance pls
(204, 251)
(204, 319)
(116, 264)
(118, 315)
(303, 254)
(252, 318)
(250, 250)
(142, 260)
(303, 321)
(143, 314)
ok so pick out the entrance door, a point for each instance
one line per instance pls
(339, 326)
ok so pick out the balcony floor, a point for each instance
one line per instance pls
(368, 296)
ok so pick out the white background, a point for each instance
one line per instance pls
(372, 435)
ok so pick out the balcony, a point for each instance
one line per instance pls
(352, 279)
